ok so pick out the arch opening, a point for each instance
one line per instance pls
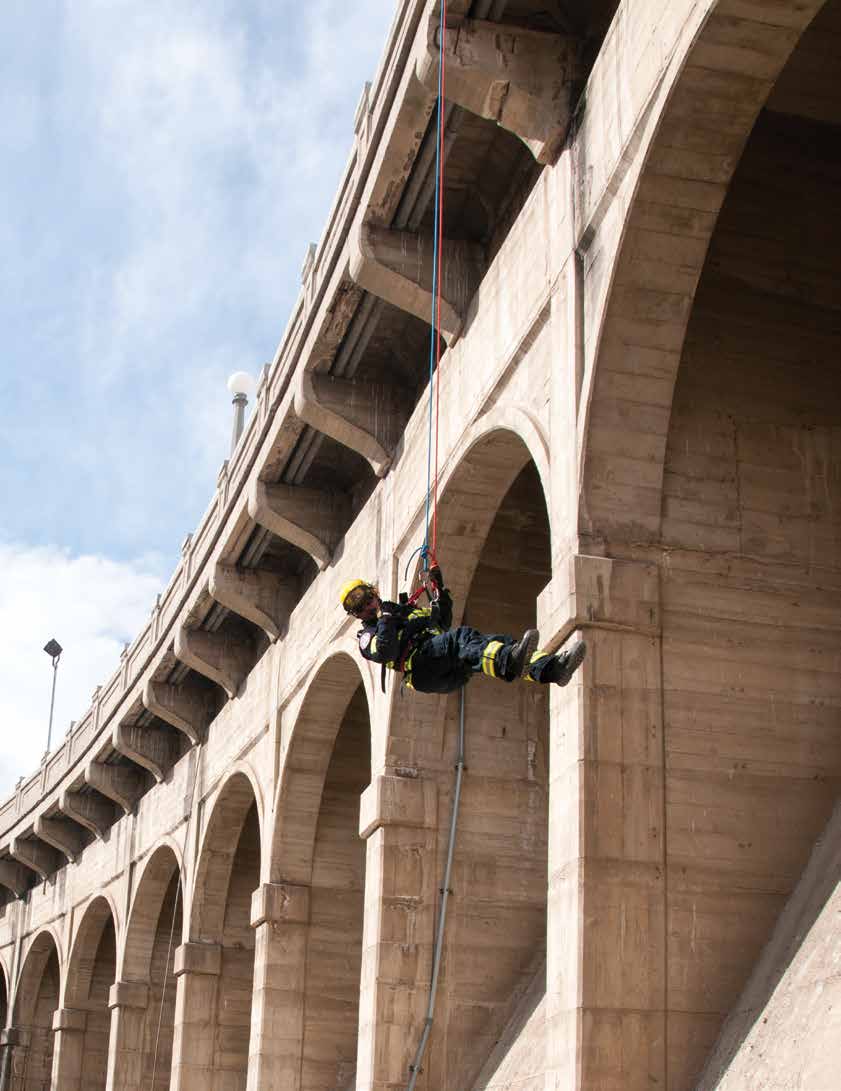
(91, 973)
(750, 594)
(144, 1040)
(227, 876)
(493, 969)
(337, 895)
(35, 1005)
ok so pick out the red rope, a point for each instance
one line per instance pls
(442, 53)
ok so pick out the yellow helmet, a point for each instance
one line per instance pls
(351, 585)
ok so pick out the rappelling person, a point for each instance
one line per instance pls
(418, 642)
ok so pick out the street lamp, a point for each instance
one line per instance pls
(53, 650)
(240, 385)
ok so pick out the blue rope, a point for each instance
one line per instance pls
(424, 549)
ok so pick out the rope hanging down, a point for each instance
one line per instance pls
(429, 548)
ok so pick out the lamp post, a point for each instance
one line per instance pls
(53, 650)
(240, 385)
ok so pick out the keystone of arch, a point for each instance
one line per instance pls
(524, 80)
(311, 519)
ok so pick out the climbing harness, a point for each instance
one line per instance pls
(415, 1066)
(428, 549)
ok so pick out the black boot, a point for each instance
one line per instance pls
(520, 655)
(564, 666)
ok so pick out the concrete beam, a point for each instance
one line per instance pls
(116, 782)
(14, 877)
(38, 857)
(61, 834)
(145, 746)
(524, 80)
(185, 707)
(366, 417)
(223, 659)
(398, 266)
(311, 519)
(263, 598)
(89, 811)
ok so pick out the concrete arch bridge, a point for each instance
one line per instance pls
(227, 875)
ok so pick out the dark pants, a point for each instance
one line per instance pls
(445, 662)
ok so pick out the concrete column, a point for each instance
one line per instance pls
(129, 1003)
(280, 917)
(197, 970)
(10, 1038)
(69, 1030)
(606, 909)
(398, 819)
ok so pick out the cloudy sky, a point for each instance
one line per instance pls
(163, 167)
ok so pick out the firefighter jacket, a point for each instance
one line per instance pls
(401, 627)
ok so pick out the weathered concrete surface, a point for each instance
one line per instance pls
(242, 841)
(782, 1030)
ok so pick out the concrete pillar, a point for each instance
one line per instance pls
(197, 970)
(606, 934)
(398, 266)
(524, 80)
(129, 1003)
(280, 917)
(10, 1038)
(69, 1038)
(398, 819)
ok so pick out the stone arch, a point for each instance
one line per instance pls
(495, 550)
(147, 984)
(91, 971)
(227, 875)
(495, 451)
(36, 1002)
(332, 685)
(719, 86)
(228, 809)
(318, 859)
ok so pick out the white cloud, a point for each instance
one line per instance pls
(92, 606)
